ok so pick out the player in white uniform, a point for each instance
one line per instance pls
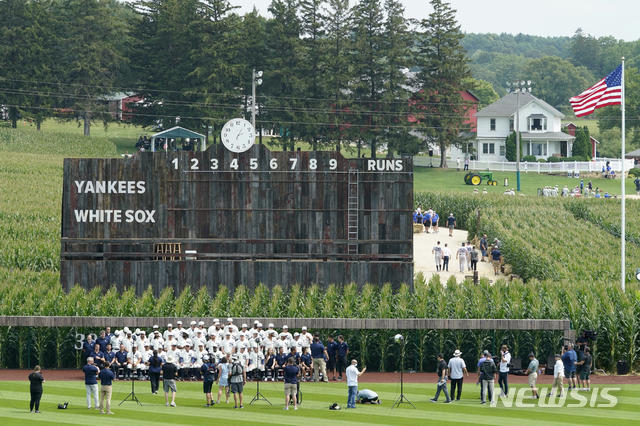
(297, 343)
(227, 344)
(179, 329)
(269, 342)
(282, 343)
(230, 327)
(167, 332)
(116, 340)
(142, 341)
(211, 343)
(128, 342)
(147, 353)
(285, 330)
(187, 360)
(306, 338)
(134, 361)
(244, 330)
(199, 353)
(469, 250)
(192, 330)
(461, 255)
(170, 342)
(242, 341)
(157, 342)
(437, 251)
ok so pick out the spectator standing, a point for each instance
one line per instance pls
(496, 260)
(208, 371)
(488, 370)
(237, 380)
(106, 378)
(503, 377)
(343, 353)
(473, 256)
(434, 222)
(88, 348)
(461, 255)
(319, 354)
(352, 374)
(291, 374)
(35, 387)
(223, 377)
(451, 223)
(332, 351)
(585, 371)
(458, 163)
(483, 247)
(155, 367)
(103, 340)
(569, 359)
(558, 376)
(466, 163)
(456, 368)
(90, 382)
(169, 373)
(446, 255)
(442, 380)
(426, 220)
(479, 369)
(637, 182)
(532, 372)
(437, 250)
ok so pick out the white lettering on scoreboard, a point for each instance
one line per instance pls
(116, 216)
(110, 187)
(384, 165)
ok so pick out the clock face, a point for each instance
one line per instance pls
(238, 135)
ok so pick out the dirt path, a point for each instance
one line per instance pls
(425, 262)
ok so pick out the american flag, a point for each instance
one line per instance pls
(607, 91)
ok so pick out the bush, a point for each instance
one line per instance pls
(542, 160)
(553, 159)
(529, 158)
(572, 159)
(634, 171)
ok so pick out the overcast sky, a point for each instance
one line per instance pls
(618, 18)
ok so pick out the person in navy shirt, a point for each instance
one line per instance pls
(90, 373)
(291, 373)
(281, 360)
(209, 371)
(88, 348)
(305, 362)
(106, 376)
(295, 355)
(98, 356)
(109, 354)
(103, 340)
(120, 361)
(343, 353)
(332, 351)
(319, 354)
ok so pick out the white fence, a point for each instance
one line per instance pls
(526, 167)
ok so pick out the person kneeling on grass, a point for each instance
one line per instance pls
(367, 396)
(291, 373)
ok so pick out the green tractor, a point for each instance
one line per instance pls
(475, 179)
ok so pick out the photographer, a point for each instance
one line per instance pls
(291, 374)
(585, 371)
(570, 359)
(237, 380)
(35, 388)
(209, 372)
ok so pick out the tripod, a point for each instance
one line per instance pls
(132, 396)
(402, 399)
(258, 396)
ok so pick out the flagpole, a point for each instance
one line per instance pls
(623, 236)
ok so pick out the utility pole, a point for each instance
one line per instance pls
(519, 86)
(255, 81)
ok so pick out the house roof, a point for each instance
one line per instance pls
(633, 154)
(547, 135)
(537, 116)
(507, 105)
(594, 139)
(178, 132)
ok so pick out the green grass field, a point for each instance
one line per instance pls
(435, 179)
(314, 409)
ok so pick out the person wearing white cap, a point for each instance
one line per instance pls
(243, 356)
(128, 341)
(157, 341)
(116, 340)
(147, 353)
(242, 340)
(245, 331)
(208, 370)
(456, 368)
(269, 342)
(230, 327)
(283, 343)
(199, 337)
(192, 329)
(169, 373)
(134, 361)
(170, 341)
(296, 342)
(256, 362)
(305, 338)
(228, 344)
(261, 333)
(142, 341)
(179, 329)
(187, 358)
(167, 332)
(212, 329)
(285, 330)
(210, 343)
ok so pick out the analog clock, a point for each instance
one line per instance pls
(238, 135)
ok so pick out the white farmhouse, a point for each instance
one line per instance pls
(540, 129)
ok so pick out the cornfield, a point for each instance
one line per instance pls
(597, 306)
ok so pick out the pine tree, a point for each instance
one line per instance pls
(339, 73)
(582, 143)
(444, 74)
(368, 62)
(510, 152)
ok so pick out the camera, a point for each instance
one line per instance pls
(591, 335)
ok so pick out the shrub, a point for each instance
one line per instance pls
(634, 171)
(542, 160)
(529, 158)
(553, 159)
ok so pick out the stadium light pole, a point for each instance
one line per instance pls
(520, 86)
(255, 81)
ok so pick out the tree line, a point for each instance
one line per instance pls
(336, 74)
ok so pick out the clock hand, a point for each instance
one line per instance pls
(238, 135)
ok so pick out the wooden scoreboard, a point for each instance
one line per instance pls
(215, 217)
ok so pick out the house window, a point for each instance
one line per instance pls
(493, 124)
(511, 124)
(488, 148)
(538, 124)
(539, 149)
(503, 150)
